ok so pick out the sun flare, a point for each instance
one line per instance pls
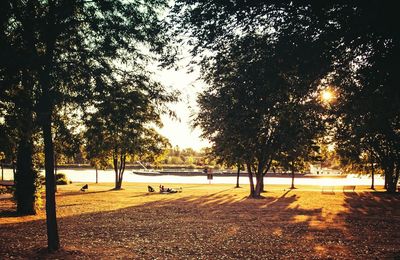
(328, 95)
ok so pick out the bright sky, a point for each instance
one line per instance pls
(179, 131)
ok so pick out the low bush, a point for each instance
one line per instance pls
(61, 179)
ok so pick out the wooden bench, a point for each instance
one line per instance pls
(349, 187)
(326, 188)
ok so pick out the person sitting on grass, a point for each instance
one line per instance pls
(166, 190)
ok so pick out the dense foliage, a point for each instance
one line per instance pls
(63, 52)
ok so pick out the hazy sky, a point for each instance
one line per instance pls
(179, 132)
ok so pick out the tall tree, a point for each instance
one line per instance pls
(69, 48)
(359, 37)
(302, 126)
(368, 108)
(120, 124)
(252, 90)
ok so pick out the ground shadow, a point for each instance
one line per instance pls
(370, 222)
(220, 224)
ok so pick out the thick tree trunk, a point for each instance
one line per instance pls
(259, 185)
(53, 241)
(262, 183)
(391, 187)
(25, 177)
(260, 179)
(119, 170)
(252, 190)
(118, 185)
(393, 178)
(237, 176)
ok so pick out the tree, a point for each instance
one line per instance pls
(358, 37)
(250, 96)
(98, 162)
(68, 48)
(67, 139)
(302, 126)
(258, 57)
(119, 126)
(368, 107)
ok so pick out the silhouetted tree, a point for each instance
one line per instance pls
(252, 91)
(67, 48)
(119, 126)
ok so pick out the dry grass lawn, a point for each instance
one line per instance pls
(208, 222)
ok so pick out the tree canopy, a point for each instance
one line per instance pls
(67, 51)
(352, 46)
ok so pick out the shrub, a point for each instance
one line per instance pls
(61, 179)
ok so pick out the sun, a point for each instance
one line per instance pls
(327, 95)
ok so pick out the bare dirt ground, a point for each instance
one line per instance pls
(208, 222)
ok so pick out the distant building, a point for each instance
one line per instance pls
(317, 169)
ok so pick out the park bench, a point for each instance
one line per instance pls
(327, 188)
(349, 187)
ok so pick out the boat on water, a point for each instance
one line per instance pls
(145, 171)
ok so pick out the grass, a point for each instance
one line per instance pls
(208, 222)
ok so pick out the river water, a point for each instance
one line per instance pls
(89, 176)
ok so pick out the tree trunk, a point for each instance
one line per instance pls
(262, 183)
(393, 178)
(372, 176)
(259, 185)
(117, 178)
(97, 176)
(252, 191)
(2, 172)
(119, 171)
(292, 187)
(385, 185)
(55, 171)
(14, 170)
(391, 187)
(237, 176)
(25, 177)
(53, 241)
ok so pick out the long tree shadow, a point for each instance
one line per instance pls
(220, 224)
(79, 192)
(210, 226)
(372, 222)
